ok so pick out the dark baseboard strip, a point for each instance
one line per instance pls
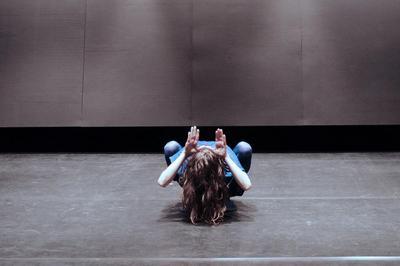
(153, 139)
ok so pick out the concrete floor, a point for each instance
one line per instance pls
(107, 209)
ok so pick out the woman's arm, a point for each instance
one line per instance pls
(169, 173)
(190, 147)
(241, 177)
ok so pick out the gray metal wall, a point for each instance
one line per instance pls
(204, 62)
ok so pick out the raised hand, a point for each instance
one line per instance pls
(191, 142)
(220, 143)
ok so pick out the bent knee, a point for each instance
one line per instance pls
(171, 147)
(244, 148)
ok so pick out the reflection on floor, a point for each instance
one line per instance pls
(107, 209)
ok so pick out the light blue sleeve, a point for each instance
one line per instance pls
(176, 155)
(181, 168)
(230, 152)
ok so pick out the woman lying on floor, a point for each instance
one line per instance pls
(209, 174)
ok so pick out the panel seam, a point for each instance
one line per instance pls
(301, 65)
(83, 60)
(191, 63)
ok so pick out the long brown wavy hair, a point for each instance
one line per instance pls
(204, 190)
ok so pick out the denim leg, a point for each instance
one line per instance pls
(170, 149)
(243, 151)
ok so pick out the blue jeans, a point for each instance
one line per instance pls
(242, 150)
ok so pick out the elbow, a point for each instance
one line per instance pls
(161, 183)
(247, 186)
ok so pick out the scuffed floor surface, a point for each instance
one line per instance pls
(107, 209)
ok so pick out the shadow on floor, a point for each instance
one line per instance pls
(238, 211)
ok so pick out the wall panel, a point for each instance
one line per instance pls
(41, 62)
(137, 63)
(351, 62)
(204, 62)
(246, 65)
